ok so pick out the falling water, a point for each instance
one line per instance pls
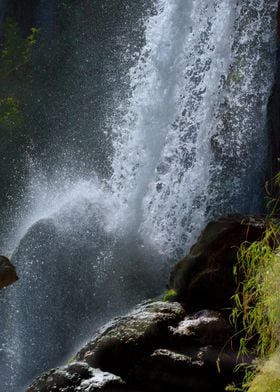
(189, 144)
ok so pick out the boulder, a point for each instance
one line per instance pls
(128, 339)
(157, 347)
(192, 357)
(201, 329)
(204, 278)
(8, 273)
(166, 370)
(77, 377)
(164, 346)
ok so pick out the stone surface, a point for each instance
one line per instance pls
(172, 346)
(132, 337)
(157, 347)
(166, 370)
(204, 328)
(204, 278)
(8, 273)
(76, 377)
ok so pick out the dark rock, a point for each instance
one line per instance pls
(204, 328)
(165, 370)
(7, 272)
(77, 376)
(132, 337)
(157, 347)
(189, 358)
(204, 278)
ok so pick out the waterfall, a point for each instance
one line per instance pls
(189, 144)
(46, 16)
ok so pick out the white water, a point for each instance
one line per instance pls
(203, 79)
(185, 151)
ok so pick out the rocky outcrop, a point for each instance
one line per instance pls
(170, 346)
(8, 273)
(77, 376)
(132, 337)
(204, 278)
(157, 347)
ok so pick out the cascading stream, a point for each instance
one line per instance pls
(175, 206)
(185, 140)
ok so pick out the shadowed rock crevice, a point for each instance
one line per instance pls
(8, 273)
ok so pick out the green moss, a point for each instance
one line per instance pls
(71, 360)
(268, 377)
(170, 296)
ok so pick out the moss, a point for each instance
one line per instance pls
(71, 360)
(268, 377)
(170, 296)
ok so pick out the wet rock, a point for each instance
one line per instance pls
(132, 337)
(157, 347)
(204, 278)
(8, 273)
(204, 328)
(187, 359)
(166, 370)
(76, 377)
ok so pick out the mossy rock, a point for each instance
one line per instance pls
(268, 378)
(170, 296)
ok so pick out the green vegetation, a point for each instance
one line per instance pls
(169, 296)
(17, 51)
(256, 298)
(256, 313)
(11, 117)
(15, 77)
(16, 62)
(268, 377)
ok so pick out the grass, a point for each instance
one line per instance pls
(256, 311)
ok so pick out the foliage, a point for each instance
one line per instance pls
(16, 53)
(15, 76)
(169, 296)
(256, 302)
(11, 117)
(268, 378)
(273, 195)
